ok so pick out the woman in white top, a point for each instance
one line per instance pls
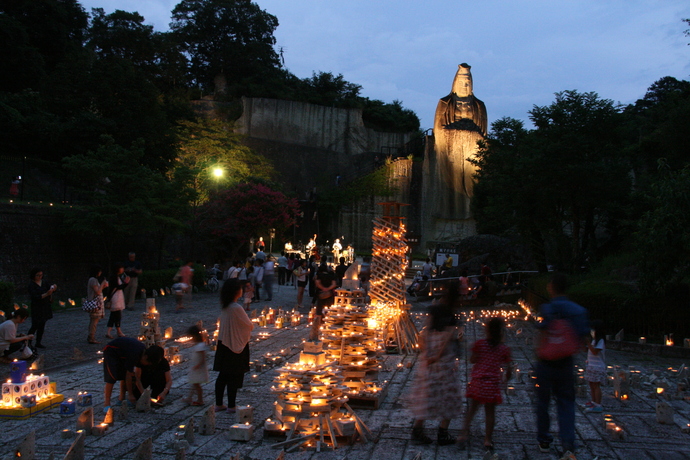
(117, 300)
(232, 355)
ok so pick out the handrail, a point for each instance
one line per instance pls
(477, 276)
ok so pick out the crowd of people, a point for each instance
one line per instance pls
(126, 360)
(437, 392)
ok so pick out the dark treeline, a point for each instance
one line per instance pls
(601, 191)
(71, 76)
(102, 104)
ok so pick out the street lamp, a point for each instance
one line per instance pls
(218, 172)
(272, 234)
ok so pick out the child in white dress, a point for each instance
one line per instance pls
(198, 372)
(595, 372)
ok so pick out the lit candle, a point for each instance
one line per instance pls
(241, 432)
(84, 399)
(68, 407)
(99, 430)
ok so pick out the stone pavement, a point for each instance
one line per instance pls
(390, 424)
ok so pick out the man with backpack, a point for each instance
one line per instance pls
(563, 332)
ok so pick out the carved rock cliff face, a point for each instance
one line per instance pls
(460, 122)
(338, 130)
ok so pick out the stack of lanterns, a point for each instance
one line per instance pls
(350, 341)
(150, 333)
(312, 400)
(25, 394)
(387, 292)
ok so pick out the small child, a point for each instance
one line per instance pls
(248, 295)
(595, 372)
(198, 372)
(485, 384)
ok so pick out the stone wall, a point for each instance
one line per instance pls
(355, 220)
(32, 236)
(337, 130)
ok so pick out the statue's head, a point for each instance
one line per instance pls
(462, 84)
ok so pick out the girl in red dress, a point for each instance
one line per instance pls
(484, 388)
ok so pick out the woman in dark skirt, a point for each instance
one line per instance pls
(232, 355)
(41, 293)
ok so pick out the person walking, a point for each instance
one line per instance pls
(232, 355)
(292, 265)
(282, 269)
(41, 293)
(258, 278)
(325, 287)
(484, 388)
(269, 277)
(116, 300)
(94, 290)
(183, 284)
(301, 273)
(436, 392)
(555, 377)
(133, 270)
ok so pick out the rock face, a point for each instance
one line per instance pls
(333, 129)
(460, 122)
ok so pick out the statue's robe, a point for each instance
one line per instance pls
(460, 121)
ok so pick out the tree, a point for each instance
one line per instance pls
(229, 38)
(662, 239)
(563, 184)
(231, 217)
(508, 197)
(324, 88)
(207, 145)
(121, 197)
(656, 126)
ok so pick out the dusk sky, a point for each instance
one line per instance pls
(521, 52)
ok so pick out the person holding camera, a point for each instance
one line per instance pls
(41, 293)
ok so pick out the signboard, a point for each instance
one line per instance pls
(441, 258)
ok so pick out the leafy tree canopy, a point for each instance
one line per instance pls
(121, 196)
(232, 216)
(559, 184)
(233, 38)
(206, 146)
(662, 237)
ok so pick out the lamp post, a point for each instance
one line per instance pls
(218, 174)
(271, 234)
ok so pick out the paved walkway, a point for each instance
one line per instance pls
(391, 423)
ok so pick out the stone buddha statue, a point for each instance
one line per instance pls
(461, 109)
(460, 122)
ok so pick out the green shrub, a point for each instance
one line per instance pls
(156, 279)
(6, 296)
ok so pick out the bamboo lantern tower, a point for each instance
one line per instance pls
(311, 407)
(351, 339)
(387, 291)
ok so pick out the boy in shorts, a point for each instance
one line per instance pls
(120, 357)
